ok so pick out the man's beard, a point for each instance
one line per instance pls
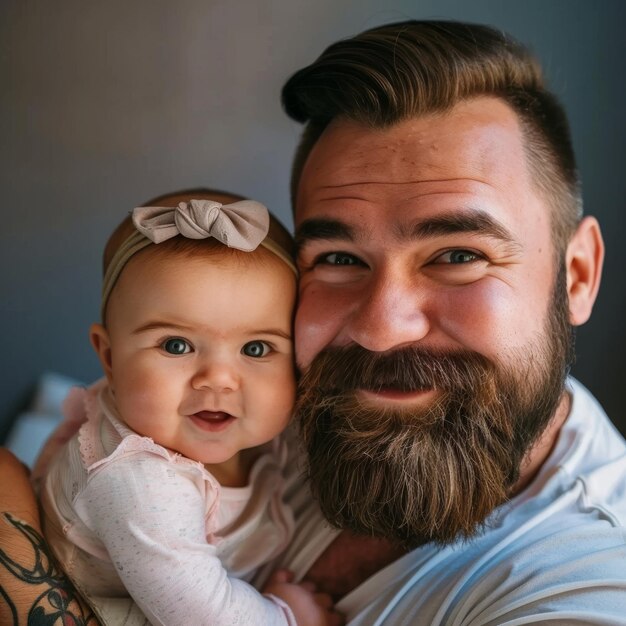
(415, 475)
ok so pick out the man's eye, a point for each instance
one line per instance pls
(256, 349)
(176, 346)
(458, 257)
(338, 258)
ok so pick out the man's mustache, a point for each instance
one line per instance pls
(412, 368)
(414, 473)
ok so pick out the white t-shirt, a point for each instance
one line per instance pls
(555, 553)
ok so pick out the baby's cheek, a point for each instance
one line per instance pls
(280, 396)
(139, 400)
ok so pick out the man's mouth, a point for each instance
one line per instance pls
(386, 395)
(212, 421)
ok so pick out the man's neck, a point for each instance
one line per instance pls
(349, 561)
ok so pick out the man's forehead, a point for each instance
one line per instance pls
(478, 140)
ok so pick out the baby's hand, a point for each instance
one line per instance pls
(309, 608)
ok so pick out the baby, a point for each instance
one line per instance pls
(171, 490)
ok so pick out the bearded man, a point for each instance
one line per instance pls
(444, 261)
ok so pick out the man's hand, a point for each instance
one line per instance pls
(33, 590)
(309, 608)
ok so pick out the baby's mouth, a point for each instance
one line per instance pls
(212, 421)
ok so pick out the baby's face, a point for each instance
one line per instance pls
(200, 351)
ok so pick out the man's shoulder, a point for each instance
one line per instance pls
(536, 559)
(559, 547)
(587, 414)
(592, 452)
(561, 544)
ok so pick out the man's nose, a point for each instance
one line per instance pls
(218, 375)
(391, 313)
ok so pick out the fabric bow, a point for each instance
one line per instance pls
(242, 225)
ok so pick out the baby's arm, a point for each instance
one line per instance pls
(151, 520)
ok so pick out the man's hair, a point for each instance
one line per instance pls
(398, 71)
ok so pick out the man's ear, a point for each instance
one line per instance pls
(583, 259)
(99, 337)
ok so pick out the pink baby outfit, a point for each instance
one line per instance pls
(126, 516)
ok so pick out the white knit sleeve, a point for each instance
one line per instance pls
(152, 518)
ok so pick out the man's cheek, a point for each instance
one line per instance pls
(305, 342)
(312, 329)
(490, 318)
(323, 318)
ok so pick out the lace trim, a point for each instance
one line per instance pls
(98, 412)
(88, 433)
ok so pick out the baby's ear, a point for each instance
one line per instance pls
(99, 337)
(583, 260)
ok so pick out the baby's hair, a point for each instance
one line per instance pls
(196, 247)
(277, 231)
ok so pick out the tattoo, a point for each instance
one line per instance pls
(59, 604)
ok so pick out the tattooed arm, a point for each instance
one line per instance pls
(33, 590)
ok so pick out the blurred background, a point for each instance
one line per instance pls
(104, 105)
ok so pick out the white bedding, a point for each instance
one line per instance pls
(33, 426)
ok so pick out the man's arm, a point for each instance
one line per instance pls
(33, 590)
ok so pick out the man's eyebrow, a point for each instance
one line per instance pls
(313, 229)
(474, 221)
(465, 221)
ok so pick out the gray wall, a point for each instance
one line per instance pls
(106, 104)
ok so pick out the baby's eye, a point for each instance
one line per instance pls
(458, 257)
(176, 346)
(256, 349)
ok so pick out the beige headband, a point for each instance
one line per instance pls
(241, 225)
